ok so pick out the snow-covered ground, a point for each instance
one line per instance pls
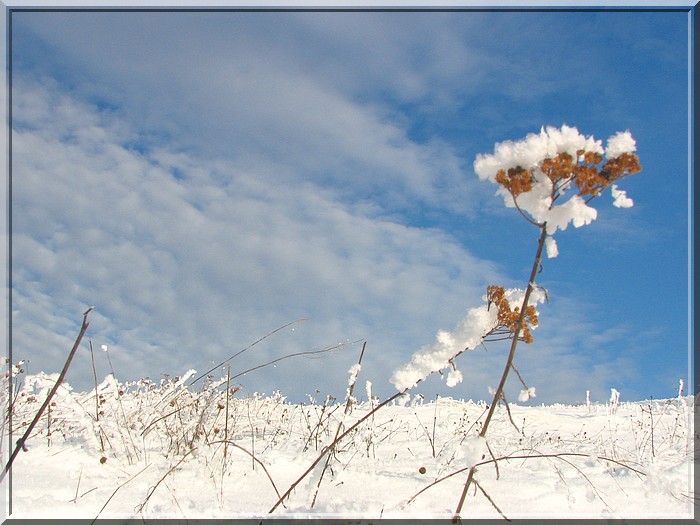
(163, 450)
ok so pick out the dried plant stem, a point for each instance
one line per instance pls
(255, 459)
(296, 354)
(518, 327)
(229, 378)
(348, 404)
(80, 475)
(511, 355)
(330, 447)
(94, 375)
(139, 508)
(559, 455)
(246, 348)
(478, 485)
(114, 493)
(510, 416)
(228, 392)
(62, 375)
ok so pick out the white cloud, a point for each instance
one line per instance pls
(189, 259)
(185, 269)
(249, 170)
(281, 102)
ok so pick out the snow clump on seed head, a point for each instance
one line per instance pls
(479, 322)
(621, 142)
(535, 172)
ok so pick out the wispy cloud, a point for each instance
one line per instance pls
(196, 257)
(204, 179)
(259, 100)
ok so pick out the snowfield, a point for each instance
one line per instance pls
(166, 450)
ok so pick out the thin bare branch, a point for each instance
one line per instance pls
(114, 493)
(297, 354)
(246, 348)
(495, 463)
(348, 404)
(327, 449)
(139, 508)
(478, 485)
(559, 455)
(510, 416)
(236, 445)
(511, 355)
(62, 375)
(519, 376)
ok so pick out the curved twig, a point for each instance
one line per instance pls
(234, 444)
(528, 219)
(474, 467)
(114, 493)
(478, 485)
(246, 348)
(348, 404)
(297, 354)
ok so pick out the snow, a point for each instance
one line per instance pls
(575, 211)
(430, 358)
(468, 334)
(526, 395)
(454, 377)
(354, 370)
(572, 461)
(530, 151)
(551, 246)
(621, 200)
(620, 143)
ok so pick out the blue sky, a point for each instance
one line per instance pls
(204, 178)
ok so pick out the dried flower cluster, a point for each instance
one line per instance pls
(518, 180)
(507, 317)
(590, 177)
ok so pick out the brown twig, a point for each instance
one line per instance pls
(228, 393)
(21, 441)
(509, 363)
(246, 348)
(94, 375)
(327, 449)
(297, 354)
(113, 493)
(478, 485)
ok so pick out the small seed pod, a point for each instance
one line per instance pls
(422, 470)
